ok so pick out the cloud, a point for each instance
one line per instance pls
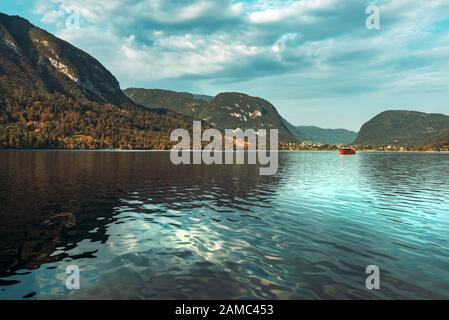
(300, 11)
(279, 46)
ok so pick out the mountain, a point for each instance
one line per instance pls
(403, 128)
(53, 95)
(324, 136)
(35, 59)
(238, 110)
(181, 102)
(442, 140)
(228, 110)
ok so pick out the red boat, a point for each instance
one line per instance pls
(347, 151)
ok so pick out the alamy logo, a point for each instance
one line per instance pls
(73, 18)
(254, 142)
(373, 280)
(72, 282)
(372, 22)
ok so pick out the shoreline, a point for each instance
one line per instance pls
(159, 150)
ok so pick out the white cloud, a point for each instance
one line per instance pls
(172, 56)
(301, 11)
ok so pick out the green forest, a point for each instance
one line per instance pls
(55, 121)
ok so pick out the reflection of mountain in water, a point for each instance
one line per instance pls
(50, 201)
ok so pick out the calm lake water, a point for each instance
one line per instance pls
(139, 227)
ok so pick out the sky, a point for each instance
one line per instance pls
(315, 60)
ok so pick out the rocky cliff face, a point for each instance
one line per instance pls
(37, 61)
(238, 110)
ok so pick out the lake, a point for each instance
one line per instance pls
(139, 227)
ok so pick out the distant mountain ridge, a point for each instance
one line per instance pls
(181, 102)
(319, 135)
(402, 127)
(228, 110)
(234, 109)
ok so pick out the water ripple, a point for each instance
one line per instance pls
(141, 228)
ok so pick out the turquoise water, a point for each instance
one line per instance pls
(139, 227)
